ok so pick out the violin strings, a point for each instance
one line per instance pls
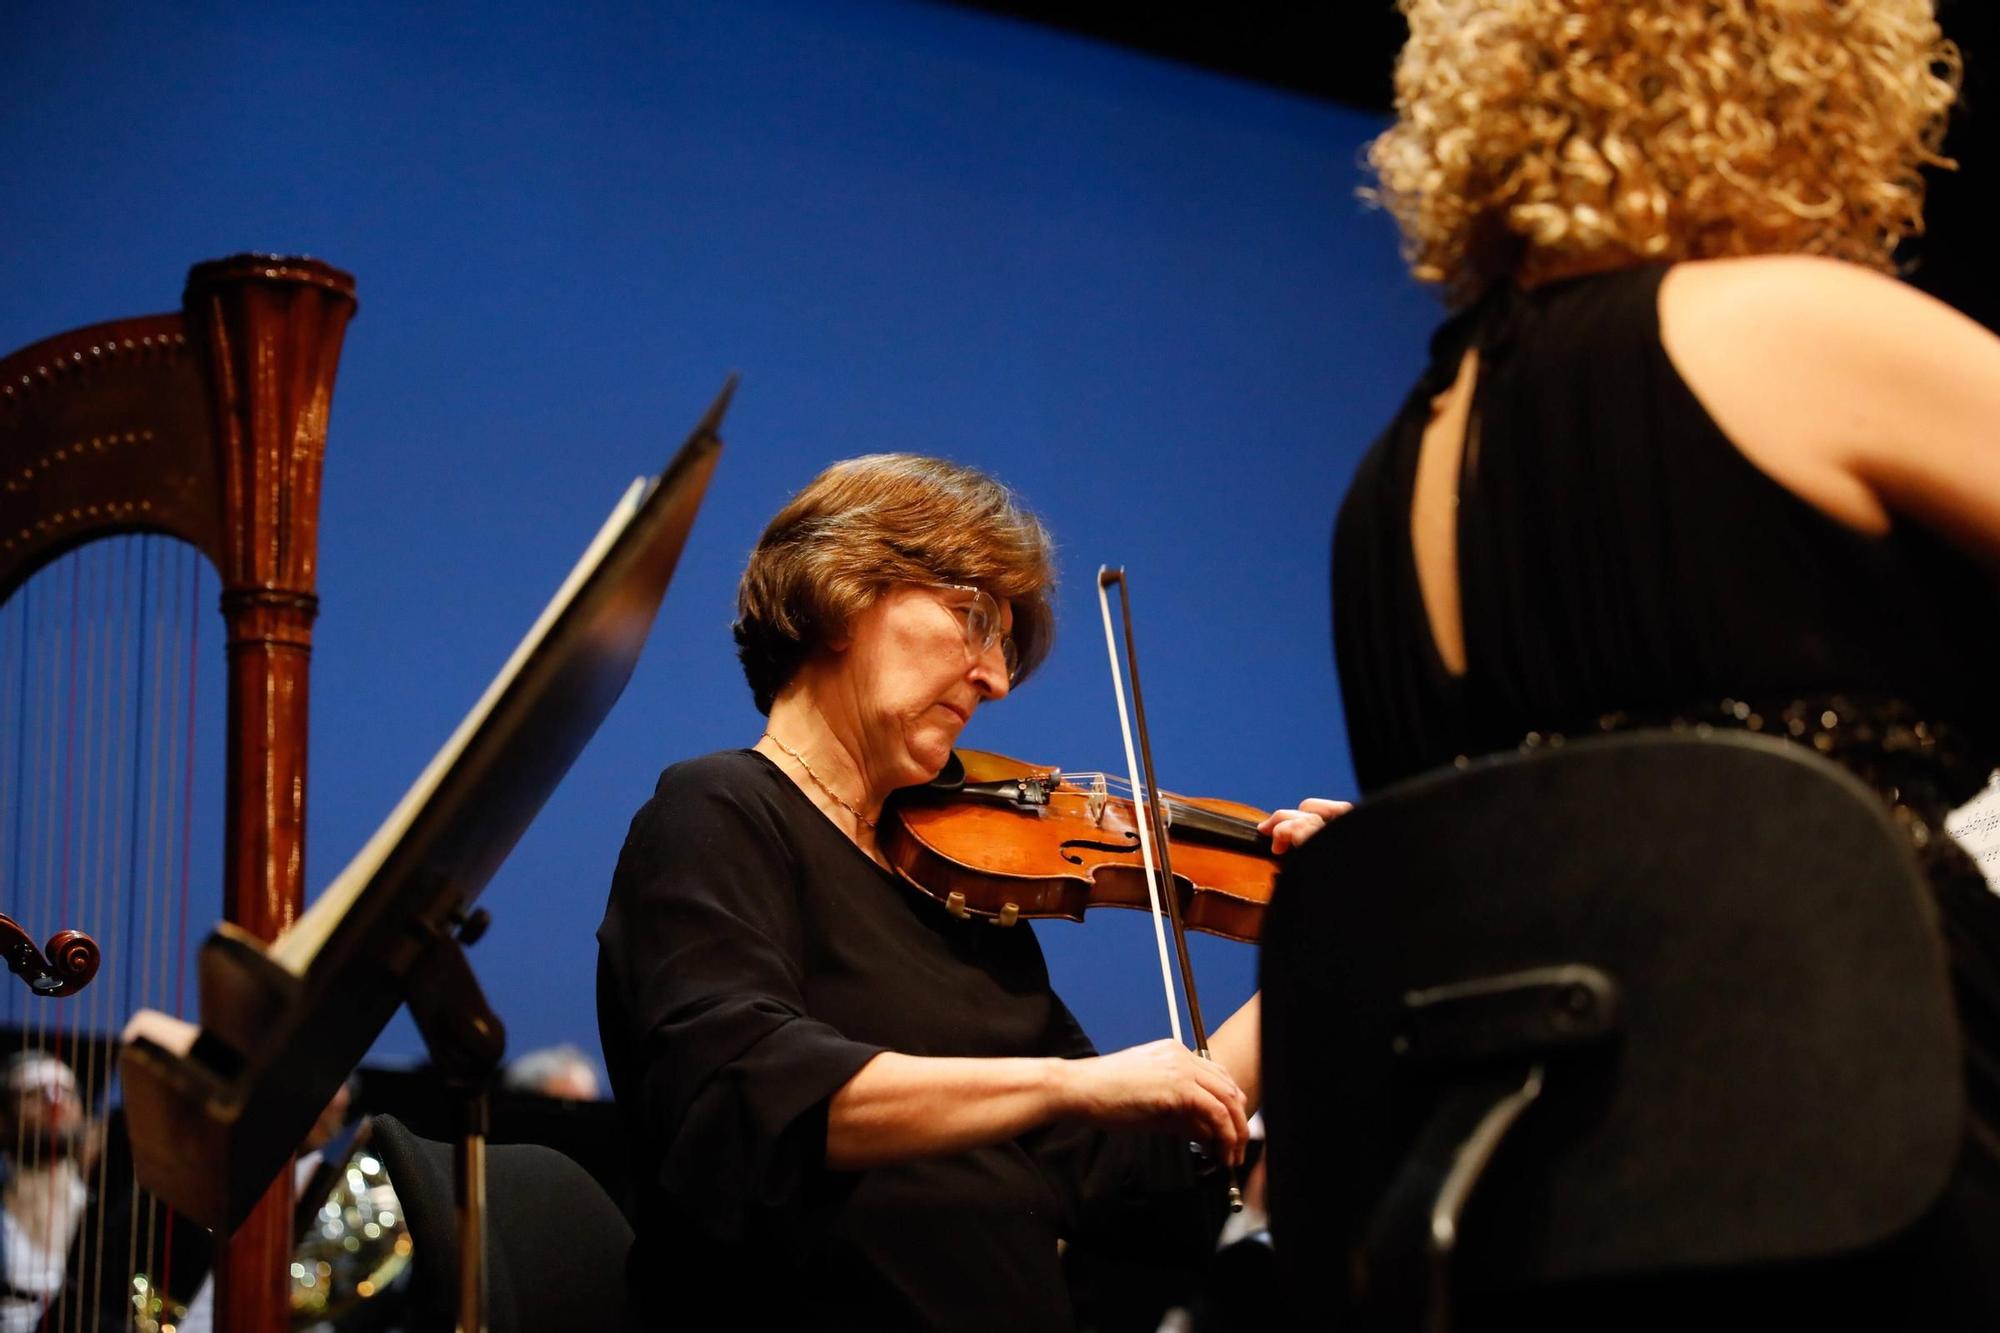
(1118, 785)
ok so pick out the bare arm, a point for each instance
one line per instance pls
(1238, 1047)
(898, 1107)
(901, 1107)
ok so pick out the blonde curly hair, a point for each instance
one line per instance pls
(1535, 137)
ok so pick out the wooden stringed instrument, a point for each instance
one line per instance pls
(998, 838)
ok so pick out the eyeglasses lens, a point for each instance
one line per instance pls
(982, 629)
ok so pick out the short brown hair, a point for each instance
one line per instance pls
(867, 523)
(1532, 134)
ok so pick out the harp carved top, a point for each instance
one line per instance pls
(56, 363)
(207, 424)
(287, 269)
(270, 329)
(104, 430)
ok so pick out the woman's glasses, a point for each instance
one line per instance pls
(982, 625)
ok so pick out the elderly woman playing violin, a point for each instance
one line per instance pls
(868, 1109)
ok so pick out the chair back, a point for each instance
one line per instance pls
(557, 1243)
(1776, 1074)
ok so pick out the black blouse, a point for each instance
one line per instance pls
(1618, 553)
(752, 959)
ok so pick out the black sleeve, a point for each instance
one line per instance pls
(701, 975)
(1129, 1192)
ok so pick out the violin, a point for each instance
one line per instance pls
(996, 838)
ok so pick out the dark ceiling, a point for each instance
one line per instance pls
(1343, 53)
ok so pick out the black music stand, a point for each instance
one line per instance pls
(284, 1023)
(1645, 1007)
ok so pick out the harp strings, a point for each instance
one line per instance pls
(113, 843)
(100, 715)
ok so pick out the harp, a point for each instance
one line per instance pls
(199, 436)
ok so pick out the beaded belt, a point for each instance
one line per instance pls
(1921, 768)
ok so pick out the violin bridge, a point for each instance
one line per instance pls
(1095, 802)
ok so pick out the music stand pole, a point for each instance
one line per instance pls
(467, 1041)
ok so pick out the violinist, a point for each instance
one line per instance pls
(849, 1106)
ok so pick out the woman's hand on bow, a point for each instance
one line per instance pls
(1163, 1086)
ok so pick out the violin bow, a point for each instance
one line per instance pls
(1153, 827)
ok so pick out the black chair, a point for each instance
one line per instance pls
(1676, 1005)
(556, 1242)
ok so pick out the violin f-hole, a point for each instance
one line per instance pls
(1130, 845)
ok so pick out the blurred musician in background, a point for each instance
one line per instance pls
(318, 1172)
(563, 1072)
(47, 1143)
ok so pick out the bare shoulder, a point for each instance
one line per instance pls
(1858, 393)
(1773, 306)
(1840, 383)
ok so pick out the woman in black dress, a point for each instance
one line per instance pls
(1685, 453)
(850, 1107)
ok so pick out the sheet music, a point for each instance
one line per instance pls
(1976, 825)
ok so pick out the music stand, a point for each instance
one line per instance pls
(216, 1113)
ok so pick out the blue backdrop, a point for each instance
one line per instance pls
(1144, 295)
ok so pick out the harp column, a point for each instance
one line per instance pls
(271, 330)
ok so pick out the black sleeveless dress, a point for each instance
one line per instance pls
(1622, 564)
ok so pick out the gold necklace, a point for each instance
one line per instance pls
(813, 777)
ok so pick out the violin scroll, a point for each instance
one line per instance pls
(68, 966)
